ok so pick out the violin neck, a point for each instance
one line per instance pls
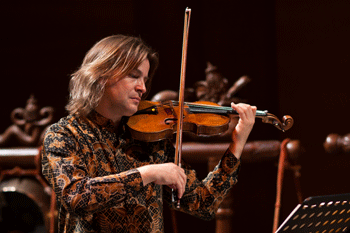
(202, 108)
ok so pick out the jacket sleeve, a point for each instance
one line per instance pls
(202, 198)
(64, 167)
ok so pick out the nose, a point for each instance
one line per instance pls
(141, 85)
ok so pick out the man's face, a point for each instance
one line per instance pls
(123, 95)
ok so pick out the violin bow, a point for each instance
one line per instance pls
(178, 147)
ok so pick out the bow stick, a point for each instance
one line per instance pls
(178, 148)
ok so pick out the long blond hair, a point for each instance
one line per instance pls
(113, 56)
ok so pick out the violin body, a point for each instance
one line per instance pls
(156, 121)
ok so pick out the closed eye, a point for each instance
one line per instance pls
(138, 74)
(134, 75)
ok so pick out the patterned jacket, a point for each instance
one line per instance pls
(92, 171)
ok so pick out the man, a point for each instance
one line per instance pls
(106, 181)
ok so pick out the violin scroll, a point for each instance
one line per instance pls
(272, 119)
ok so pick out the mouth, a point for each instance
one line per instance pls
(136, 99)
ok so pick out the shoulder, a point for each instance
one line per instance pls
(68, 124)
(62, 135)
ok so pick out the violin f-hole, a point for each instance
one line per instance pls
(169, 121)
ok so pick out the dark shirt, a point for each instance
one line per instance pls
(92, 170)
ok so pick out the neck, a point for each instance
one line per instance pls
(109, 115)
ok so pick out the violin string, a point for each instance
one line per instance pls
(206, 106)
(211, 108)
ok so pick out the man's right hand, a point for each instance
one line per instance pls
(165, 174)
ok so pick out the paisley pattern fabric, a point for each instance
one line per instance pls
(91, 167)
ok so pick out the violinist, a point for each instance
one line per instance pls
(107, 181)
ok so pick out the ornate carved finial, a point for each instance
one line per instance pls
(214, 85)
(215, 88)
(28, 124)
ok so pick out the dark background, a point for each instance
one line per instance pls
(296, 53)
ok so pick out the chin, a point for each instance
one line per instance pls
(131, 112)
(131, 109)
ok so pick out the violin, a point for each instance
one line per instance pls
(155, 121)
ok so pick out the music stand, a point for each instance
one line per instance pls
(321, 214)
